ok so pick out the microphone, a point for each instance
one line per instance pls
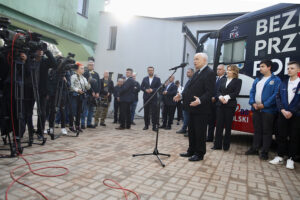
(180, 66)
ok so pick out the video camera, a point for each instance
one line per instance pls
(21, 41)
(66, 63)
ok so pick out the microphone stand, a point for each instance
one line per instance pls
(156, 152)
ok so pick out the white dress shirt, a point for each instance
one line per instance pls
(150, 80)
(292, 87)
(259, 88)
(226, 97)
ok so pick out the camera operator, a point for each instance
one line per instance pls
(79, 87)
(92, 95)
(40, 65)
(55, 77)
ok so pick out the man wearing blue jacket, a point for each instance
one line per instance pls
(263, 106)
(288, 104)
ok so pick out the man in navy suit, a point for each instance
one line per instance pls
(126, 98)
(214, 100)
(149, 85)
(169, 93)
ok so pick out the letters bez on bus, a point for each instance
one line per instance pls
(274, 24)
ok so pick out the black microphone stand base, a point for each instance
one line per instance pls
(155, 153)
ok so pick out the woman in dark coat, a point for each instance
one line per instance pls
(228, 91)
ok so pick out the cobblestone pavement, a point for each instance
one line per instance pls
(106, 153)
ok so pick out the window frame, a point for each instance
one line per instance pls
(232, 50)
(112, 45)
(84, 10)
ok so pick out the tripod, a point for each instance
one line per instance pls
(156, 152)
(58, 100)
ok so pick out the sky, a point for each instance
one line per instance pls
(176, 8)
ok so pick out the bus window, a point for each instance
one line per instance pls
(233, 52)
(209, 47)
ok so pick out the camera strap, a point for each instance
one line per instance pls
(78, 77)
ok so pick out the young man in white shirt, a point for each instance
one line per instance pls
(263, 106)
(288, 104)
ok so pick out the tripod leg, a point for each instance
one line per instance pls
(144, 154)
(162, 154)
(12, 150)
(162, 164)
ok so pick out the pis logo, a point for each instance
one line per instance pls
(234, 33)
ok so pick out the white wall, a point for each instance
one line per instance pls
(141, 42)
(145, 41)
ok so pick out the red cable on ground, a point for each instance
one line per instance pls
(17, 149)
(33, 171)
(120, 188)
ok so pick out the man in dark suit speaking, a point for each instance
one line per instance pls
(126, 98)
(197, 99)
(149, 85)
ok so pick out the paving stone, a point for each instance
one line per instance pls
(106, 153)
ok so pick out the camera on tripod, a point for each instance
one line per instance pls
(66, 63)
(19, 40)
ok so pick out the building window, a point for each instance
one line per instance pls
(83, 6)
(112, 38)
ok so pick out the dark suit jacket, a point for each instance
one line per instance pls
(127, 91)
(137, 89)
(218, 86)
(233, 89)
(110, 88)
(155, 84)
(202, 85)
(171, 93)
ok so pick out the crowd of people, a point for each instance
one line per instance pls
(206, 104)
(210, 101)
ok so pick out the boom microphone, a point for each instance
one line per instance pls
(180, 66)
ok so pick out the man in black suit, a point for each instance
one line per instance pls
(169, 105)
(126, 99)
(214, 100)
(197, 99)
(149, 85)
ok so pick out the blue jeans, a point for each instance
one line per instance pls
(186, 118)
(132, 109)
(88, 112)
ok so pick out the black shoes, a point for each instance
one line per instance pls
(168, 128)
(216, 148)
(91, 126)
(209, 140)
(132, 123)
(146, 128)
(186, 135)
(79, 129)
(154, 128)
(251, 151)
(120, 128)
(181, 131)
(82, 126)
(185, 155)
(163, 126)
(102, 124)
(195, 158)
(114, 122)
(71, 128)
(263, 156)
